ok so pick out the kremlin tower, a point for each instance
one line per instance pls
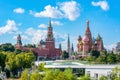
(45, 49)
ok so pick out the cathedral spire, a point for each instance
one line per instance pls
(87, 29)
(79, 38)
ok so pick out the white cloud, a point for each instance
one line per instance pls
(24, 37)
(56, 23)
(19, 10)
(42, 26)
(49, 11)
(111, 46)
(36, 35)
(69, 10)
(103, 4)
(10, 27)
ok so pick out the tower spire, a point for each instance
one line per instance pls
(19, 42)
(72, 49)
(87, 29)
(60, 46)
(68, 44)
(50, 32)
(50, 25)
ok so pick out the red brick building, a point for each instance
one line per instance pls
(45, 49)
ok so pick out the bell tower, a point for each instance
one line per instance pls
(19, 42)
(50, 40)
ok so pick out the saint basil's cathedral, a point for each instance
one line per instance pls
(87, 43)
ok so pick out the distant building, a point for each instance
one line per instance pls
(45, 49)
(86, 44)
(116, 49)
(95, 71)
(70, 49)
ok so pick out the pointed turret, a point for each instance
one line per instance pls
(79, 38)
(50, 25)
(60, 47)
(99, 43)
(87, 29)
(50, 32)
(19, 42)
(99, 37)
(68, 45)
(87, 39)
(50, 41)
(72, 49)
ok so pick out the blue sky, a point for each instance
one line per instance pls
(30, 19)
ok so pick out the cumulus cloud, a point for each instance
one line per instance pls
(103, 4)
(111, 46)
(69, 10)
(56, 23)
(10, 27)
(49, 11)
(42, 26)
(19, 10)
(36, 34)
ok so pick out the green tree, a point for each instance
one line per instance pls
(69, 75)
(2, 60)
(17, 51)
(101, 59)
(24, 75)
(36, 76)
(103, 78)
(115, 72)
(61, 76)
(30, 46)
(85, 77)
(49, 75)
(95, 53)
(118, 58)
(11, 64)
(20, 60)
(65, 55)
(111, 58)
(41, 67)
(10, 61)
(29, 58)
(7, 47)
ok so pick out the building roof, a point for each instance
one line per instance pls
(74, 64)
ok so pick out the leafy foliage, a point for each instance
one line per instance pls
(24, 75)
(36, 76)
(103, 78)
(95, 53)
(65, 55)
(7, 47)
